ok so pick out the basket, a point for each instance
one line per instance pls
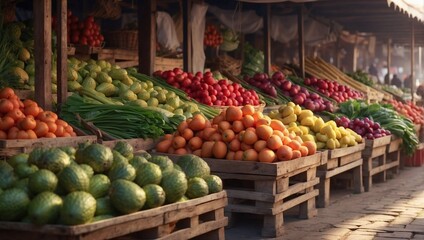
(125, 39)
(229, 64)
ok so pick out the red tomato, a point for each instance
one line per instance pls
(86, 32)
(83, 40)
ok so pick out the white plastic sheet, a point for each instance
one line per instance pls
(244, 22)
(166, 33)
(198, 13)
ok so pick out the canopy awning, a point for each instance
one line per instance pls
(414, 8)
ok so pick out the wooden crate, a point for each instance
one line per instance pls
(393, 155)
(374, 156)
(164, 64)
(268, 189)
(201, 218)
(340, 161)
(12, 147)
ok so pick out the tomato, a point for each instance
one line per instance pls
(41, 129)
(88, 24)
(90, 19)
(86, 32)
(16, 114)
(6, 123)
(6, 92)
(5, 106)
(83, 40)
(101, 38)
(27, 123)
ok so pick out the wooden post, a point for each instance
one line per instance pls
(187, 48)
(267, 38)
(412, 60)
(146, 12)
(43, 53)
(301, 42)
(389, 57)
(62, 52)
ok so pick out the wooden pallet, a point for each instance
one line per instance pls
(340, 161)
(393, 154)
(374, 156)
(12, 147)
(201, 218)
(268, 189)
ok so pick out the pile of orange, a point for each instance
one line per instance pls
(26, 120)
(237, 134)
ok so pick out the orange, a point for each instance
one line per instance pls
(259, 145)
(238, 155)
(195, 143)
(187, 134)
(250, 155)
(249, 137)
(230, 155)
(303, 151)
(267, 155)
(264, 132)
(207, 149)
(233, 113)
(244, 146)
(180, 151)
(163, 146)
(295, 145)
(218, 118)
(248, 110)
(216, 137)
(178, 142)
(284, 153)
(312, 147)
(248, 121)
(197, 123)
(219, 150)
(274, 142)
(296, 154)
(207, 133)
(234, 145)
(224, 125)
(237, 126)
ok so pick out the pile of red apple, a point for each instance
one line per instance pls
(340, 93)
(301, 95)
(263, 82)
(207, 90)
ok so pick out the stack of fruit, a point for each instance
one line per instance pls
(25, 120)
(213, 37)
(78, 186)
(312, 128)
(334, 90)
(205, 89)
(409, 110)
(365, 127)
(301, 95)
(237, 134)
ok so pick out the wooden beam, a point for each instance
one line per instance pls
(146, 36)
(389, 56)
(43, 53)
(267, 38)
(62, 52)
(187, 48)
(301, 42)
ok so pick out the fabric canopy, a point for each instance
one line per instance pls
(414, 8)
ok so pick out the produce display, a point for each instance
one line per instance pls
(237, 134)
(207, 90)
(85, 32)
(78, 186)
(303, 123)
(253, 61)
(387, 117)
(111, 117)
(409, 110)
(213, 37)
(365, 127)
(362, 77)
(262, 84)
(231, 41)
(26, 120)
(332, 89)
(301, 95)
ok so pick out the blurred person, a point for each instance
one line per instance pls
(396, 81)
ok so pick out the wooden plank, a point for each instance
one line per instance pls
(350, 158)
(392, 164)
(43, 49)
(344, 168)
(324, 157)
(147, 47)
(340, 152)
(243, 176)
(195, 210)
(332, 163)
(378, 142)
(394, 145)
(46, 142)
(62, 53)
(250, 195)
(137, 143)
(378, 151)
(202, 228)
(298, 187)
(127, 64)
(376, 170)
(296, 201)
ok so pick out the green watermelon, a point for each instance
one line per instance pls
(7, 175)
(136, 161)
(54, 160)
(99, 157)
(193, 166)
(13, 204)
(99, 185)
(78, 208)
(122, 171)
(73, 178)
(18, 158)
(155, 196)
(45, 208)
(126, 197)
(124, 148)
(104, 207)
(148, 173)
(174, 183)
(42, 180)
(196, 187)
(163, 162)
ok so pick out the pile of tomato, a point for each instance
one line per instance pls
(26, 120)
(213, 37)
(85, 32)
